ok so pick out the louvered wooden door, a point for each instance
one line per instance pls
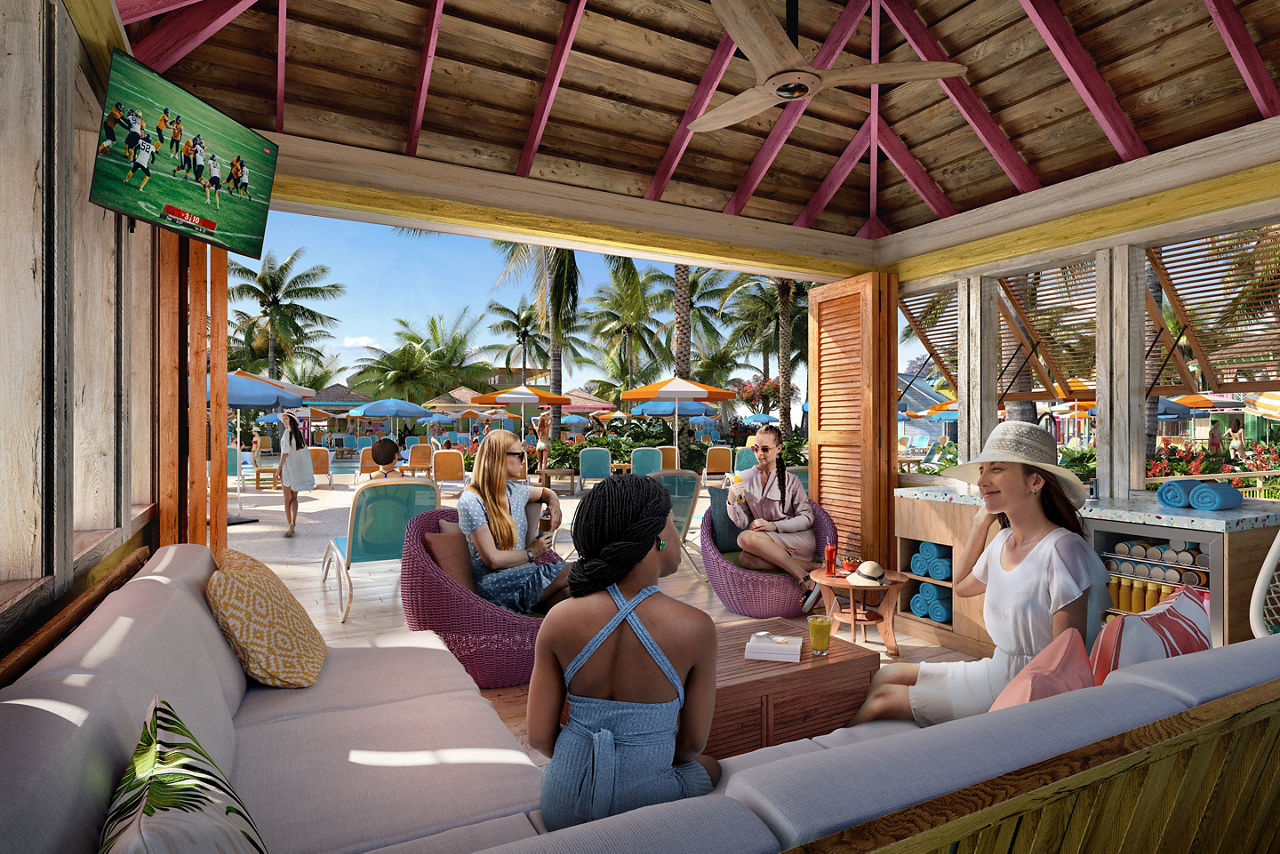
(853, 363)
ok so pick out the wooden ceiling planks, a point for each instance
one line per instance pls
(352, 67)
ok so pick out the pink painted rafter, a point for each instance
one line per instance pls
(836, 176)
(181, 32)
(132, 11)
(1080, 69)
(1246, 55)
(905, 162)
(560, 56)
(825, 58)
(424, 75)
(963, 96)
(281, 19)
(697, 106)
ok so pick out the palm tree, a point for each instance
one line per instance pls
(786, 288)
(708, 291)
(715, 366)
(621, 318)
(556, 279)
(680, 305)
(248, 341)
(309, 374)
(618, 371)
(448, 347)
(279, 293)
(404, 373)
(520, 326)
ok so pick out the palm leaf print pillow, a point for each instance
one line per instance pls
(172, 797)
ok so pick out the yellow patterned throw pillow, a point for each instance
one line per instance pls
(267, 628)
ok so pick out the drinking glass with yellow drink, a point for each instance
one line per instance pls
(820, 633)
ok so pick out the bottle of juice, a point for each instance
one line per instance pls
(1125, 601)
(1138, 602)
(1153, 595)
(1166, 590)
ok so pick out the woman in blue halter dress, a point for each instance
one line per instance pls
(637, 667)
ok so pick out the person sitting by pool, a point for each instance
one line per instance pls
(774, 508)
(491, 513)
(385, 455)
(640, 695)
(1039, 573)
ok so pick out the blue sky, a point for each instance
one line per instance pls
(390, 276)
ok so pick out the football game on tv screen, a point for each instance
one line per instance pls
(167, 157)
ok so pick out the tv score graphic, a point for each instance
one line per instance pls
(181, 217)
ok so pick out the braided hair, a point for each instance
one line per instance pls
(615, 527)
(779, 466)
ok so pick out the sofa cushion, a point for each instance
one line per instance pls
(387, 669)
(464, 840)
(1176, 626)
(64, 739)
(864, 732)
(449, 550)
(172, 797)
(1061, 666)
(734, 764)
(266, 625)
(933, 761)
(155, 635)
(709, 823)
(397, 772)
(724, 532)
(1204, 676)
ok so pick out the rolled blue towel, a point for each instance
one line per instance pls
(940, 612)
(919, 564)
(1176, 493)
(932, 550)
(1215, 496)
(940, 569)
(934, 593)
(919, 605)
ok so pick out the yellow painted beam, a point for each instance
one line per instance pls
(98, 24)
(1249, 186)
(610, 239)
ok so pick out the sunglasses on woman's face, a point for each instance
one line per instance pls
(520, 454)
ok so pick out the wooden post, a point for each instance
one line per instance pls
(197, 408)
(169, 510)
(218, 401)
(978, 340)
(1121, 419)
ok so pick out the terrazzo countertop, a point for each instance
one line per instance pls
(1254, 513)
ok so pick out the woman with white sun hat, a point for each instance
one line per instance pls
(1039, 573)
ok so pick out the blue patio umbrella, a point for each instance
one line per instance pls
(245, 393)
(269, 418)
(805, 406)
(664, 408)
(702, 419)
(389, 408)
(944, 416)
(574, 419)
(760, 418)
(438, 418)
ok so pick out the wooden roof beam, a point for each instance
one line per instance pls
(179, 33)
(1083, 73)
(97, 22)
(282, 17)
(132, 11)
(697, 106)
(564, 43)
(825, 58)
(1246, 55)
(963, 96)
(424, 75)
(906, 163)
(836, 176)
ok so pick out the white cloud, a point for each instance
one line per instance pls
(353, 343)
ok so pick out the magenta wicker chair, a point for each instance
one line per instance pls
(494, 645)
(759, 594)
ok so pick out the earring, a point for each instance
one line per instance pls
(662, 544)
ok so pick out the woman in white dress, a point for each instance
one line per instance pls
(1040, 576)
(296, 474)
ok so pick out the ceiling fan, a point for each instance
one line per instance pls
(781, 71)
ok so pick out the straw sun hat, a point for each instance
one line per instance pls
(1020, 442)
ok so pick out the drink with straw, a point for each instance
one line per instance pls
(737, 482)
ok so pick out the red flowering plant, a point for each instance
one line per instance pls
(759, 394)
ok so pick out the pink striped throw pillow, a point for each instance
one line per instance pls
(1178, 625)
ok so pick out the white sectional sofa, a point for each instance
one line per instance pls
(394, 749)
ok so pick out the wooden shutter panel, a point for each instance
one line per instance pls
(853, 363)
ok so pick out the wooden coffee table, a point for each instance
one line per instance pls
(761, 703)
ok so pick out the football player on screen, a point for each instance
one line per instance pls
(114, 116)
(142, 160)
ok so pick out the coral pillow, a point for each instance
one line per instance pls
(1060, 667)
(264, 624)
(1178, 625)
(449, 550)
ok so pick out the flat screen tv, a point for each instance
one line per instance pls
(165, 156)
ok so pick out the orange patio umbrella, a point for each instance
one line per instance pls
(944, 406)
(521, 395)
(677, 389)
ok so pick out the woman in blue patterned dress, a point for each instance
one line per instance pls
(637, 667)
(491, 513)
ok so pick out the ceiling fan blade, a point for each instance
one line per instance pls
(739, 107)
(890, 72)
(754, 29)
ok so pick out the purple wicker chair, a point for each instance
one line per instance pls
(759, 594)
(494, 645)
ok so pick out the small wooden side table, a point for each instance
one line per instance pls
(620, 468)
(261, 471)
(548, 474)
(867, 605)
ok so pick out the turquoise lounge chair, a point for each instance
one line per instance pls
(410, 441)
(683, 486)
(744, 459)
(646, 461)
(593, 463)
(364, 442)
(380, 513)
